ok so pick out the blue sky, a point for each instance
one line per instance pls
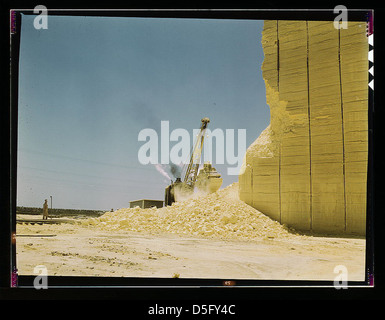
(88, 85)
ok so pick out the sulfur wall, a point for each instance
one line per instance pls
(308, 167)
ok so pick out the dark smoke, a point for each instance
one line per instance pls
(175, 170)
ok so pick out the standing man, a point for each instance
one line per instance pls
(45, 210)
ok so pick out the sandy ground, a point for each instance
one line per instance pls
(69, 249)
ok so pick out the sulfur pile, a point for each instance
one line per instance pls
(218, 215)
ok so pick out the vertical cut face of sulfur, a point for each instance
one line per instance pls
(308, 168)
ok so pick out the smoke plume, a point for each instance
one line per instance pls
(161, 170)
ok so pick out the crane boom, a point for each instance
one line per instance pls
(193, 166)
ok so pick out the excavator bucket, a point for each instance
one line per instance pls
(208, 180)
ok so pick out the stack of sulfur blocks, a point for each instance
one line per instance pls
(308, 168)
(354, 64)
(293, 88)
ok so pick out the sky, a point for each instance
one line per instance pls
(89, 85)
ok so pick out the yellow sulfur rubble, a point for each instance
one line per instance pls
(218, 215)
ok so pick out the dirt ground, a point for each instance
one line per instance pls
(71, 249)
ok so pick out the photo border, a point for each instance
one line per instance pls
(57, 282)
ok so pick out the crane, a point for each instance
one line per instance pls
(190, 171)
